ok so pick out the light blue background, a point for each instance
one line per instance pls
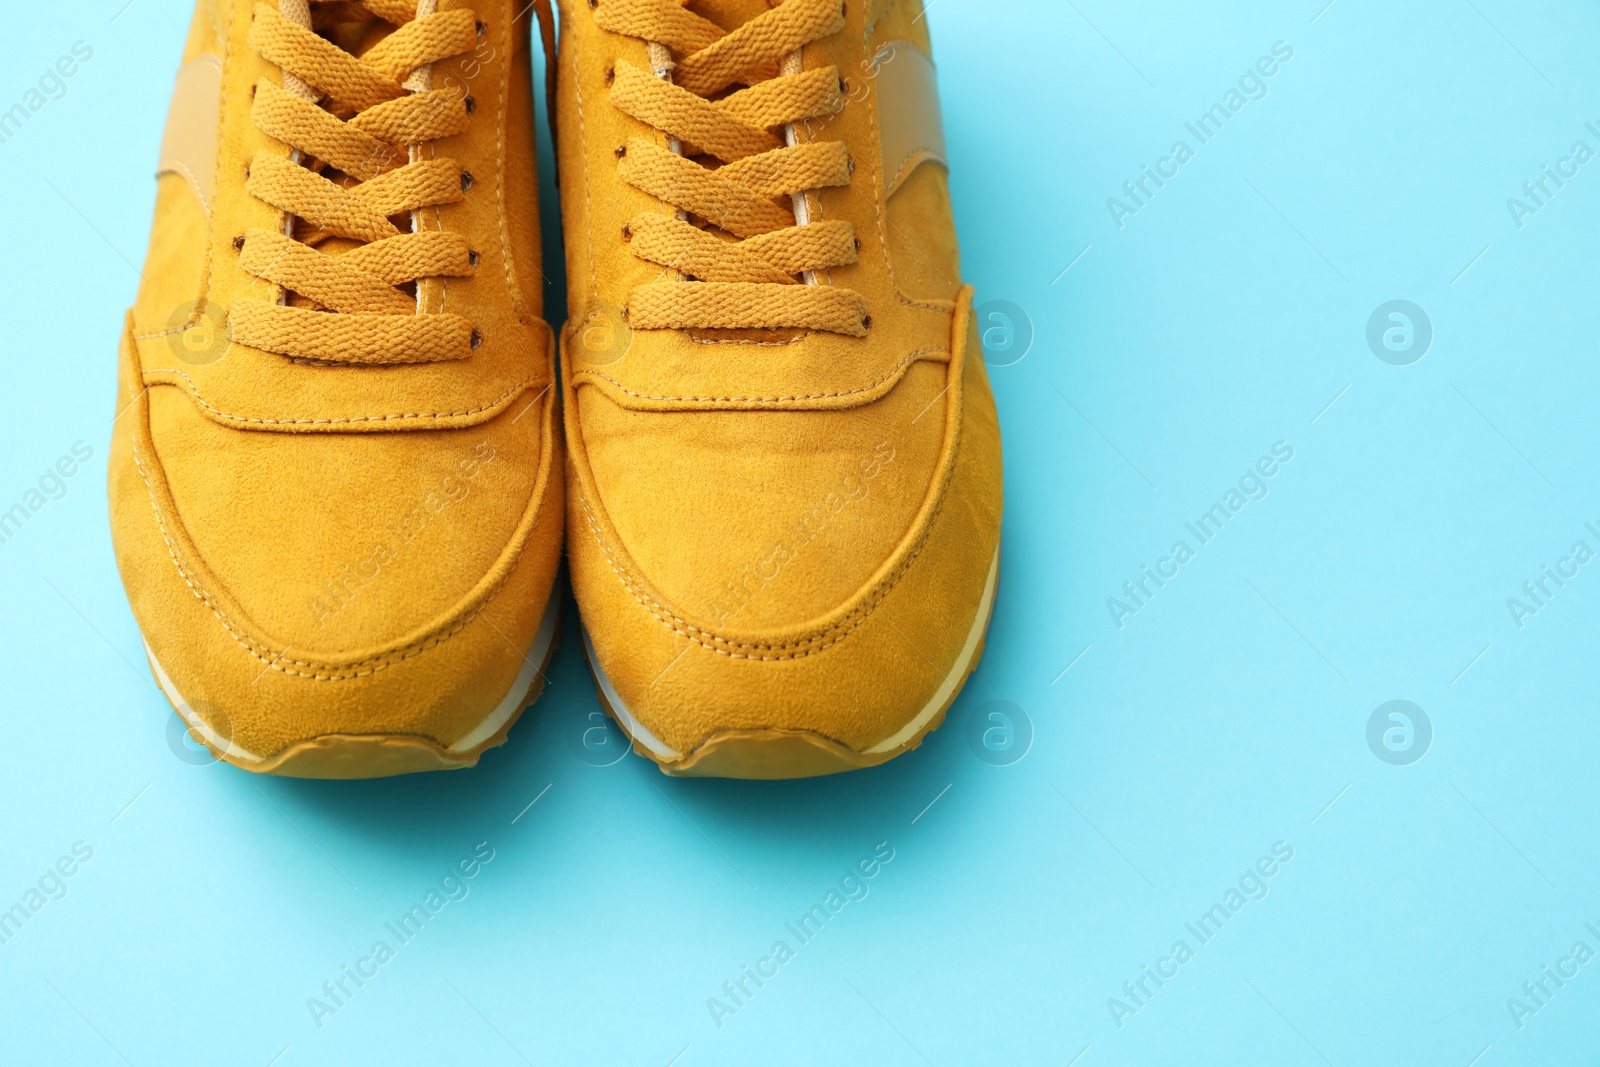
(1229, 714)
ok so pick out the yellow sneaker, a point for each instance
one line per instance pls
(335, 478)
(784, 484)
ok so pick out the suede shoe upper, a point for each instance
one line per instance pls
(784, 497)
(335, 487)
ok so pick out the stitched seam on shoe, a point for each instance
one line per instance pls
(250, 645)
(349, 672)
(836, 632)
(183, 170)
(901, 169)
(204, 297)
(518, 305)
(799, 649)
(588, 190)
(516, 387)
(796, 649)
(880, 203)
(893, 372)
(216, 28)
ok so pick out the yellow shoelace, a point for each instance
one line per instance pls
(351, 121)
(746, 259)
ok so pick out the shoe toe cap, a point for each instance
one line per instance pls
(798, 677)
(293, 588)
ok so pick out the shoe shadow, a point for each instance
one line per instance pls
(566, 790)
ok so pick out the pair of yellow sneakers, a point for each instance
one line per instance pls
(343, 461)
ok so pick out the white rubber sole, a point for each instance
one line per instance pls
(648, 744)
(462, 750)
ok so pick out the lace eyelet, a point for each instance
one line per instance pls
(482, 27)
(866, 322)
(627, 231)
(466, 180)
(471, 105)
(238, 244)
(611, 75)
(472, 258)
(622, 150)
(477, 338)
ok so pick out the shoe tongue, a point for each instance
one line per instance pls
(729, 14)
(358, 38)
